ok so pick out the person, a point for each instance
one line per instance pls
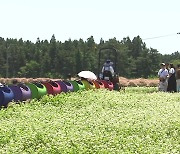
(171, 79)
(107, 70)
(163, 75)
(178, 78)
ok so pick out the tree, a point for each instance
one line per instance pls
(136, 47)
(57, 59)
(78, 62)
(30, 70)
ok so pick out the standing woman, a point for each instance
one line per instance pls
(172, 79)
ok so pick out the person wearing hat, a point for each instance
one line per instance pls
(163, 78)
(107, 70)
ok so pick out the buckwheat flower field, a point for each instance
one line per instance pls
(137, 120)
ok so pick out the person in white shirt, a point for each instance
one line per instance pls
(108, 70)
(163, 78)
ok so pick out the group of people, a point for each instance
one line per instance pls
(169, 78)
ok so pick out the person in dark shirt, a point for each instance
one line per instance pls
(171, 79)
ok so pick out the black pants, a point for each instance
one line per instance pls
(172, 83)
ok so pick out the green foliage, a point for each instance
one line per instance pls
(176, 62)
(31, 69)
(21, 58)
(95, 121)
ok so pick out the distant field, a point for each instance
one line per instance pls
(139, 120)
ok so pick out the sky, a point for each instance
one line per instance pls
(157, 22)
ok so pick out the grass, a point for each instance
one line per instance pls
(139, 120)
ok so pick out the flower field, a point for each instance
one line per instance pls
(137, 120)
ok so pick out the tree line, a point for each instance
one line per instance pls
(56, 59)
